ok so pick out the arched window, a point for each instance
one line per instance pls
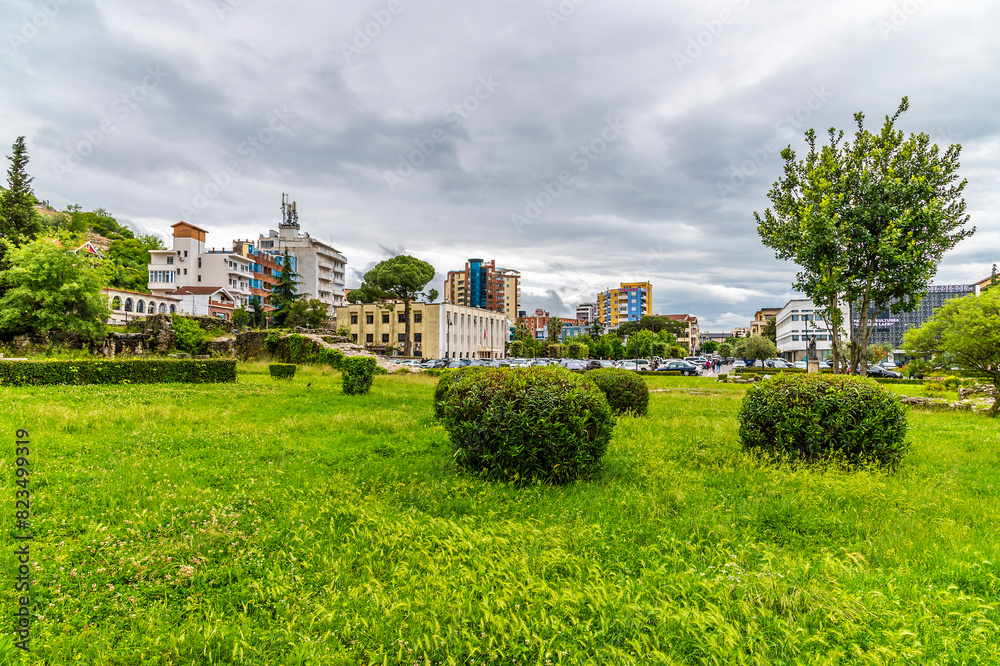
(116, 303)
(128, 305)
(173, 309)
(163, 308)
(140, 306)
(152, 308)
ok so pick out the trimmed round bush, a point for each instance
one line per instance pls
(624, 391)
(811, 417)
(281, 370)
(357, 373)
(545, 424)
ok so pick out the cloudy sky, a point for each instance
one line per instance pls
(582, 142)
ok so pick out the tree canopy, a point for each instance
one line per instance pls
(52, 289)
(964, 331)
(285, 292)
(755, 347)
(867, 221)
(402, 277)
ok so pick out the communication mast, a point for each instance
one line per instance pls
(289, 214)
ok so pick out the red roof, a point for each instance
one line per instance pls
(197, 291)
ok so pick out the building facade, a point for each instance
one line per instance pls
(691, 333)
(191, 264)
(127, 305)
(630, 301)
(485, 285)
(438, 330)
(796, 323)
(888, 328)
(321, 268)
(760, 319)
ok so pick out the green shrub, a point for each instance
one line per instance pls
(624, 391)
(952, 382)
(188, 335)
(127, 371)
(448, 378)
(809, 417)
(544, 424)
(358, 372)
(723, 376)
(281, 370)
(934, 386)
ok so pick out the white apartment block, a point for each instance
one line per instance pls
(322, 269)
(190, 264)
(797, 322)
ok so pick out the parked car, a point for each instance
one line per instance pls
(777, 363)
(629, 365)
(800, 364)
(607, 363)
(500, 363)
(739, 364)
(574, 364)
(879, 371)
(684, 367)
(593, 364)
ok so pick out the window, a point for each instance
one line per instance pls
(385, 338)
(199, 278)
(173, 309)
(199, 262)
(116, 303)
(418, 337)
(795, 338)
(402, 317)
(385, 319)
(401, 337)
(354, 337)
(370, 338)
(370, 319)
(354, 319)
(418, 317)
(140, 307)
(185, 253)
(170, 261)
(795, 317)
(185, 271)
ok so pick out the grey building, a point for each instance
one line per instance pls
(888, 328)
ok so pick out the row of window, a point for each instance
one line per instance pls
(400, 338)
(807, 317)
(819, 338)
(418, 318)
(161, 276)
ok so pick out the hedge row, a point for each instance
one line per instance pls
(130, 371)
(282, 370)
(774, 371)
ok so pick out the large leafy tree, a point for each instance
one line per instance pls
(755, 347)
(127, 260)
(770, 330)
(964, 331)
(51, 289)
(867, 221)
(400, 278)
(285, 292)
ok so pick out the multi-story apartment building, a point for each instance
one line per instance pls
(485, 285)
(265, 267)
(796, 323)
(538, 323)
(587, 312)
(760, 319)
(631, 301)
(689, 335)
(741, 332)
(438, 330)
(321, 267)
(191, 264)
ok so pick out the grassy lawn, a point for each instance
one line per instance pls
(273, 522)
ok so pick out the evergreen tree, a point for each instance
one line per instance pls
(285, 293)
(19, 223)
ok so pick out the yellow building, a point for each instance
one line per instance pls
(631, 301)
(689, 336)
(760, 320)
(438, 330)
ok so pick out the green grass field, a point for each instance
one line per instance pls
(271, 522)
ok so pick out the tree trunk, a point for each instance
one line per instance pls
(408, 345)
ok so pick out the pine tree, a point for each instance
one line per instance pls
(284, 294)
(18, 221)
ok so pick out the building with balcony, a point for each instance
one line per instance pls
(587, 312)
(630, 301)
(191, 264)
(438, 330)
(689, 335)
(482, 284)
